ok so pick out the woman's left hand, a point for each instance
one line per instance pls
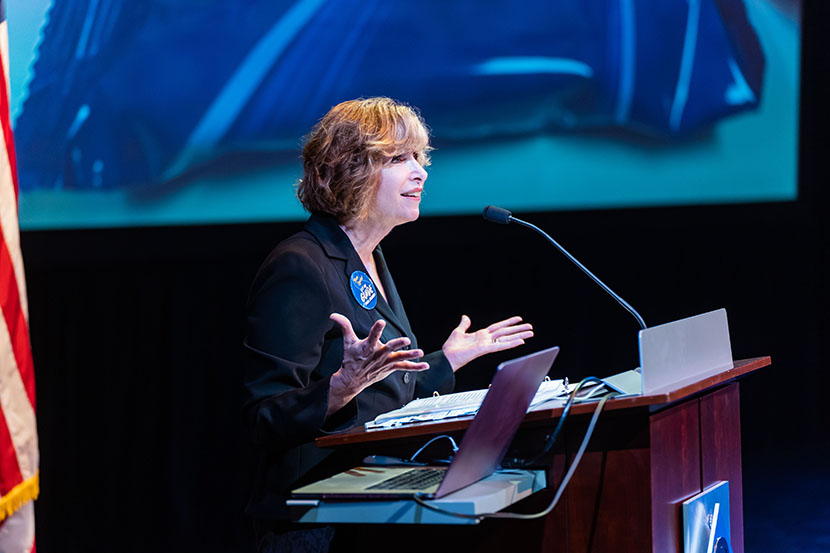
(462, 346)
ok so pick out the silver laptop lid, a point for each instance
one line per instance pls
(491, 431)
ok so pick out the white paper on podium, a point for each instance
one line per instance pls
(460, 404)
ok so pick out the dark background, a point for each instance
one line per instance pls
(136, 336)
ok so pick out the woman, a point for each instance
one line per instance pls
(329, 345)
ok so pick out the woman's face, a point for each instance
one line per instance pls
(398, 198)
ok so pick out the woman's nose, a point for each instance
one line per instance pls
(418, 169)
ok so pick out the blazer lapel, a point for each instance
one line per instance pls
(338, 246)
(390, 317)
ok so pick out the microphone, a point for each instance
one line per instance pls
(502, 216)
(497, 215)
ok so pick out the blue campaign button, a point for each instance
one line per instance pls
(363, 290)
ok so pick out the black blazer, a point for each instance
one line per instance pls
(292, 348)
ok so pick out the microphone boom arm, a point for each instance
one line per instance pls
(584, 269)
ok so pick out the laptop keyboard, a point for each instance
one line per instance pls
(416, 479)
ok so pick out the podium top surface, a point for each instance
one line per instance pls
(670, 394)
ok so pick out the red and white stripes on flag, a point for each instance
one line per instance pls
(19, 455)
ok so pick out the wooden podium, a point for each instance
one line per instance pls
(647, 455)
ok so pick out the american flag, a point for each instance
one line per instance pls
(19, 457)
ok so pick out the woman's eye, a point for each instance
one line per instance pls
(397, 159)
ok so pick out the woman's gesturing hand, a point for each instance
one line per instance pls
(462, 346)
(368, 361)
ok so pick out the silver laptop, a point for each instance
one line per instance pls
(482, 448)
(678, 352)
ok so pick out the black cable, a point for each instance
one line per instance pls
(522, 463)
(423, 447)
(521, 516)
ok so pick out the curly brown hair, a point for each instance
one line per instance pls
(347, 148)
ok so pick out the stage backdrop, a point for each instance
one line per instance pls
(159, 112)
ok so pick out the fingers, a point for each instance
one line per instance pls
(509, 333)
(385, 363)
(465, 323)
(523, 331)
(349, 335)
(410, 366)
(504, 344)
(510, 330)
(505, 323)
(391, 353)
(375, 332)
(345, 325)
(404, 355)
(398, 343)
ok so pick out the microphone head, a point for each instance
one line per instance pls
(496, 214)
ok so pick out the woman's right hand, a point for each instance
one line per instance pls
(367, 361)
